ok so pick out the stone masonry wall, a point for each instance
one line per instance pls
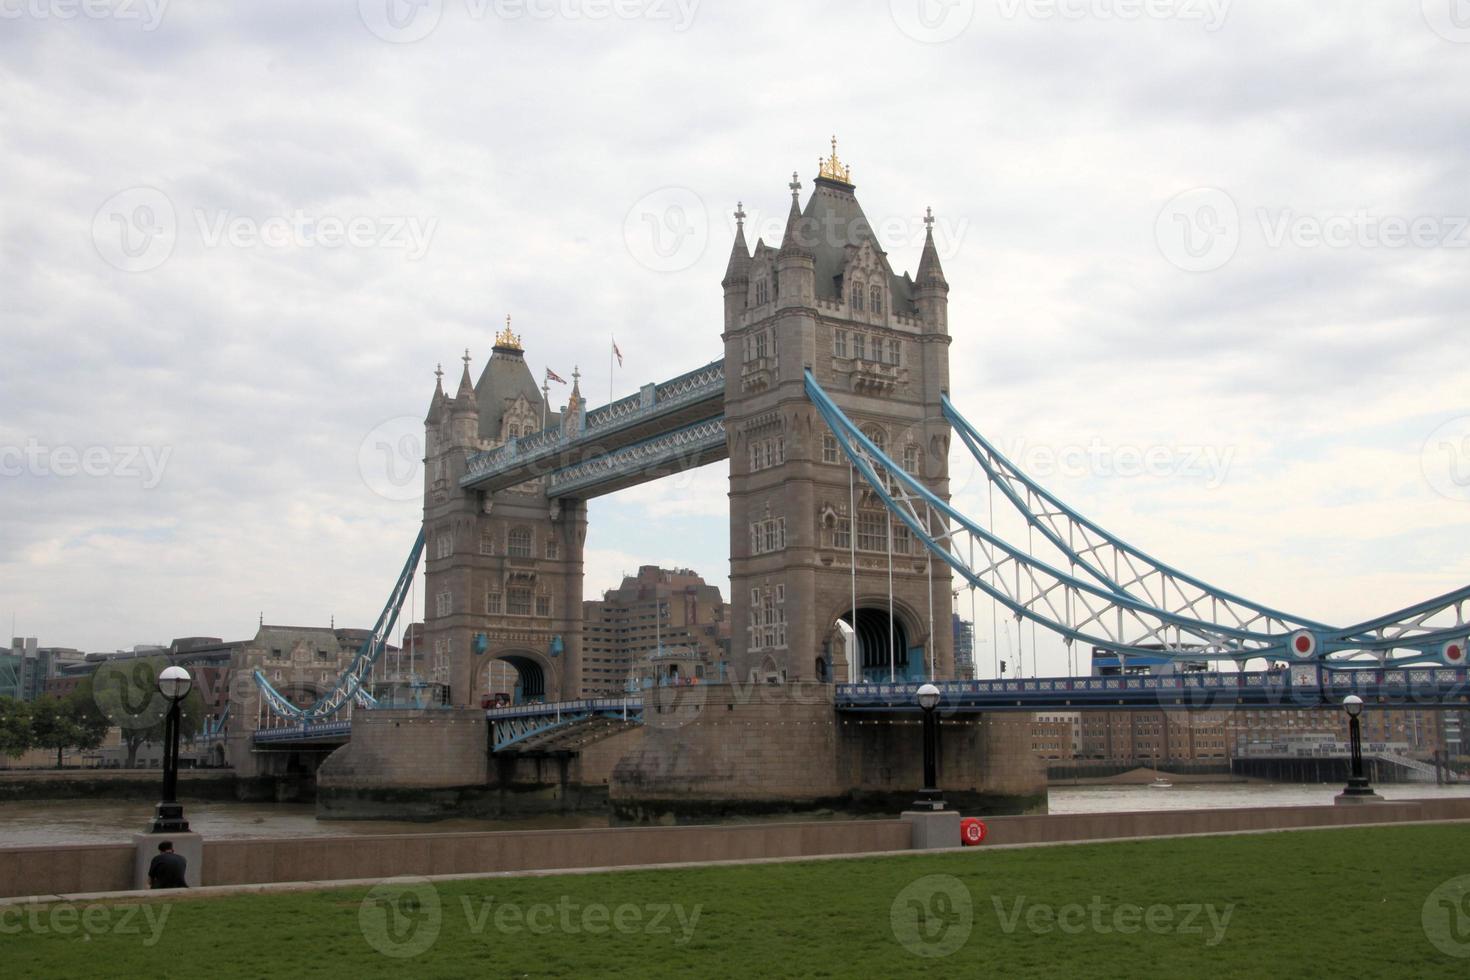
(402, 747)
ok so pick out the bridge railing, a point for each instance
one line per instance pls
(676, 448)
(578, 707)
(1300, 686)
(303, 732)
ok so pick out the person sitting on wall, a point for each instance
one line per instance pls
(167, 869)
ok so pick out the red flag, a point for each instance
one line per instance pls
(553, 376)
(617, 353)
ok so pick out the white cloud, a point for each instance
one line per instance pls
(1054, 143)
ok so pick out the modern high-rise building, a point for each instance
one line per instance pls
(27, 667)
(964, 648)
(659, 626)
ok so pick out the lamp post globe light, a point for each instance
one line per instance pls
(174, 684)
(930, 798)
(1358, 788)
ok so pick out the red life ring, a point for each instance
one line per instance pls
(972, 831)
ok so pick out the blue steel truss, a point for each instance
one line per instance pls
(1115, 564)
(1101, 611)
(513, 725)
(685, 448)
(349, 688)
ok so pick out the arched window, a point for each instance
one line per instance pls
(857, 297)
(518, 544)
(879, 437)
(875, 297)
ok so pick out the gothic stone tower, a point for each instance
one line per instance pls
(505, 566)
(828, 300)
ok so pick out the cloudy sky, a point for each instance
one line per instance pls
(1209, 269)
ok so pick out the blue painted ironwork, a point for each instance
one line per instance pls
(686, 447)
(1300, 686)
(1127, 570)
(350, 688)
(1098, 613)
(214, 728)
(513, 725)
(546, 447)
(304, 732)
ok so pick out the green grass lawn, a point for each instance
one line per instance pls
(1320, 903)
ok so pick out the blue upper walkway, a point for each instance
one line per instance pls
(674, 425)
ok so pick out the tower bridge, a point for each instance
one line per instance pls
(832, 401)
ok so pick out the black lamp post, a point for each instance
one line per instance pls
(1357, 784)
(930, 798)
(173, 683)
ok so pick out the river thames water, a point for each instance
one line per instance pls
(84, 822)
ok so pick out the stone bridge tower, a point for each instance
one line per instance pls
(827, 299)
(504, 569)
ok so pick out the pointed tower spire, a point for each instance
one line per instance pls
(466, 386)
(436, 403)
(930, 273)
(792, 241)
(739, 268)
(572, 416)
(464, 399)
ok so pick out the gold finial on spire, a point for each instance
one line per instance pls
(506, 339)
(834, 169)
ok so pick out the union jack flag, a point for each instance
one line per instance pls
(553, 376)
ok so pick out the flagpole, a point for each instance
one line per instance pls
(610, 350)
(545, 399)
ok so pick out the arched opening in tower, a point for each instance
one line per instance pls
(530, 683)
(881, 650)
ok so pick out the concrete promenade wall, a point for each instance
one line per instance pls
(109, 867)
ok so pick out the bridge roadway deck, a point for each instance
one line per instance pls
(1301, 686)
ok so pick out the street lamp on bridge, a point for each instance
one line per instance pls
(174, 684)
(1358, 790)
(930, 798)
